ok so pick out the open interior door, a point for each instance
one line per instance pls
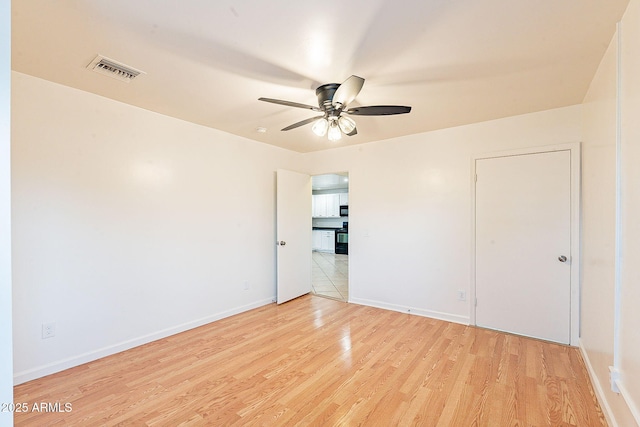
(293, 231)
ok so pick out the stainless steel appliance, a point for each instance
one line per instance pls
(342, 239)
(344, 210)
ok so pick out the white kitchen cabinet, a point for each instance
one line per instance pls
(323, 240)
(316, 240)
(328, 242)
(326, 205)
(319, 206)
(314, 206)
(333, 205)
(344, 199)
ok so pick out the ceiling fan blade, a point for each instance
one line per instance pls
(348, 90)
(290, 104)
(378, 110)
(302, 123)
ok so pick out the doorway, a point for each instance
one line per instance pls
(330, 225)
(526, 242)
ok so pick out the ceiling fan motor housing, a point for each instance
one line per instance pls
(325, 96)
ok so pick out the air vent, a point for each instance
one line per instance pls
(115, 69)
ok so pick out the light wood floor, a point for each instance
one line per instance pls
(316, 361)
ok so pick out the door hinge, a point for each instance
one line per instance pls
(476, 302)
(475, 177)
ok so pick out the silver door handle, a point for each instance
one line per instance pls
(562, 258)
(281, 243)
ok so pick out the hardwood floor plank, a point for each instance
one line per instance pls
(316, 361)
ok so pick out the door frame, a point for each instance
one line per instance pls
(575, 154)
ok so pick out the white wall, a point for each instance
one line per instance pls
(410, 208)
(598, 222)
(6, 362)
(609, 336)
(129, 225)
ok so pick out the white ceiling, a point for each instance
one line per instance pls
(454, 61)
(330, 181)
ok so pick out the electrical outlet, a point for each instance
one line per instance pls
(462, 295)
(48, 330)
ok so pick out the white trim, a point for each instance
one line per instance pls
(575, 153)
(617, 295)
(6, 335)
(454, 318)
(602, 400)
(70, 362)
(619, 383)
(628, 400)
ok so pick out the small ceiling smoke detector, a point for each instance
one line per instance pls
(109, 67)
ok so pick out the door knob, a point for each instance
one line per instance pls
(562, 258)
(281, 243)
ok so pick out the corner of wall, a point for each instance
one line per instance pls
(6, 333)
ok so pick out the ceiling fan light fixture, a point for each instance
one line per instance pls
(346, 124)
(320, 127)
(333, 99)
(334, 133)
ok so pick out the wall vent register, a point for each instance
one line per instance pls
(115, 69)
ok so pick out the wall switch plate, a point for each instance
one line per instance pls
(462, 295)
(246, 285)
(48, 330)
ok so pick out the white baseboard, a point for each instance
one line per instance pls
(464, 320)
(597, 387)
(70, 362)
(624, 392)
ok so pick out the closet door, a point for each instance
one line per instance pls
(523, 236)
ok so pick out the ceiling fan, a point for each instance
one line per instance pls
(333, 101)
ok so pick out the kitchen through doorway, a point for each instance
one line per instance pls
(330, 235)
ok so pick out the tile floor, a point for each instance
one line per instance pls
(331, 275)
